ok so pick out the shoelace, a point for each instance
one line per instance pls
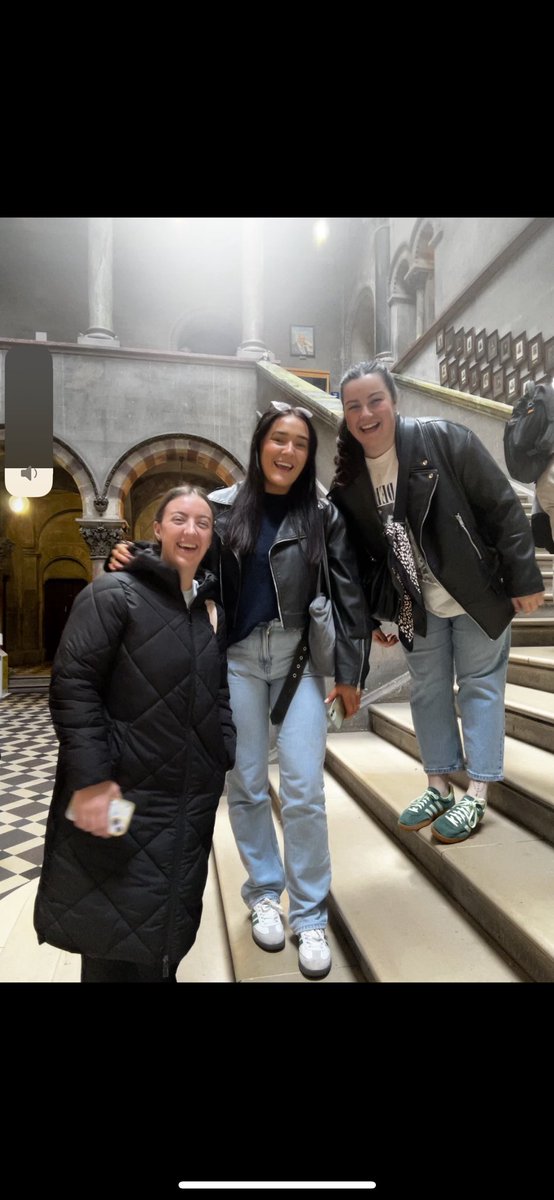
(266, 910)
(424, 800)
(312, 935)
(466, 810)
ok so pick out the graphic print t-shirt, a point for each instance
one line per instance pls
(383, 472)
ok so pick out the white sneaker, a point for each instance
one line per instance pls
(314, 954)
(267, 926)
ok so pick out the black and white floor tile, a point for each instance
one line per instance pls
(28, 755)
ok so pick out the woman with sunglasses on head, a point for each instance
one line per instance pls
(271, 533)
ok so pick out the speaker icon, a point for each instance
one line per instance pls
(26, 472)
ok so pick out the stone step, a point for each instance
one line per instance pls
(525, 795)
(534, 630)
(532, 666)
(530, 715)
(502, 876)
(27, 683)
(250, 963)
(403, 926)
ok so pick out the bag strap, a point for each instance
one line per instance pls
(324, 565)
(278, 712)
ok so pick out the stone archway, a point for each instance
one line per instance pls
(216, 466)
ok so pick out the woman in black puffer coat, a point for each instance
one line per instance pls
(140, 704)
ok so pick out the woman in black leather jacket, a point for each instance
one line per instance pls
(458, 563)
(271, 531)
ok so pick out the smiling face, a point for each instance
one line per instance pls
(370, 413)
(185, 532)
(284, 453)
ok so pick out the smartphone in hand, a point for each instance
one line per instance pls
(336, 714)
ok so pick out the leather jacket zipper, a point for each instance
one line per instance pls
(460, 521)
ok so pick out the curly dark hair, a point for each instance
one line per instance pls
(349, 458)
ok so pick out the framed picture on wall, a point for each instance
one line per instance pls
(453, 375)
(492, 346)
(302, 341)
(480, 344)
(486, 381)
(534, 352)
(549, 356)
(505, 348)
(469, 343)
(449, 340)
(498, 383)
(320, 379)
(459, 347)
(443, 371)
(512, 386)
(439, 342)
(474, 379)
(519, 350)
(464, 377)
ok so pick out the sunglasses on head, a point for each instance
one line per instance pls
(281, 407)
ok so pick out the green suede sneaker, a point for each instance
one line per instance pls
(459, 823)
(425, 808)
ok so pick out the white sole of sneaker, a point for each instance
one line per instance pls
(264, 945)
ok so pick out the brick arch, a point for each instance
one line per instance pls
(425, 235)
(156, 451)
(399, 268)
(361, 312)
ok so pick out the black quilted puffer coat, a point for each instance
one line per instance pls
(138, 695)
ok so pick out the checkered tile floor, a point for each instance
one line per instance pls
(28, 756)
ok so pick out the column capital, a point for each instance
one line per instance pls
(101, 536)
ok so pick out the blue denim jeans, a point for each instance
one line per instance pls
(257, 669)
(456, 647)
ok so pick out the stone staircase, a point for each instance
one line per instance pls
(403, 907)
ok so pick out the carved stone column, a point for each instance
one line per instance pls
(382, 270)
(252, 345)
(101, 537)
(100, 284)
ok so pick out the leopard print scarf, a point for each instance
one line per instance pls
(405, 570)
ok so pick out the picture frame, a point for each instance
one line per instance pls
(469, 343)
(492, 346)
(320, 379)
(443, 372)
(302, 341)
(474, 379)
(459, 347)
(511, 386)
(453, 375)
(486, 381)
(449, 341)
(498, 383)
(548, 356)
(519, 350)
(464, 377)
(439, 342)
(534, 352)
(480, 344)
(505, 352)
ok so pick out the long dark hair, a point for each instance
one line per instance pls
(349, 458)
(246, 513)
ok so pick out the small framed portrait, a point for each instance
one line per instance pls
(486, 381)
(449, 341)
(443, 371)
(439, 342)
(302, 341)
(453, 375)
(548, 356)
(469, 344)
(464, 377)
(511, 386)
(480, 344)
(534, 352)
(474, 379)
(505, 348)
(492, 346)
(498, 383)
(459, 345)
(519, 350)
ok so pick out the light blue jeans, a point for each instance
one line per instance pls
(456, 647)
(257, 668)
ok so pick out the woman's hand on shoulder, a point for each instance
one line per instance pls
(120, 556)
